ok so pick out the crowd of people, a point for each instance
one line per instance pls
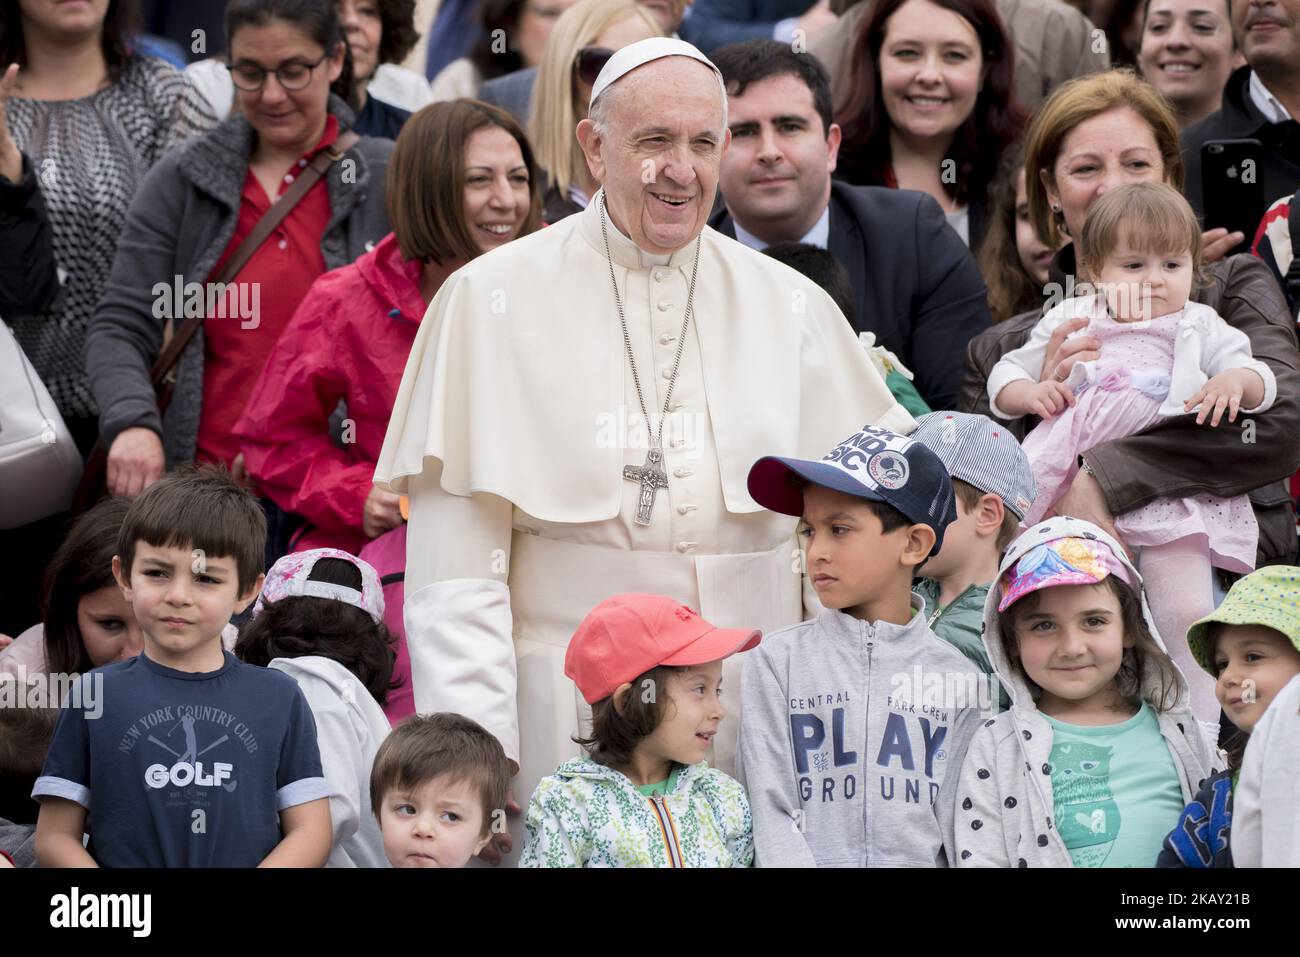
(448, 466)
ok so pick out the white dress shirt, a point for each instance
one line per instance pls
(1266, 102)
(818, 236)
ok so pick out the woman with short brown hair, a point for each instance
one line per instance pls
(461, 181)
(1152, 152)
(427, 175)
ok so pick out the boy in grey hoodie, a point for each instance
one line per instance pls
(850, 721)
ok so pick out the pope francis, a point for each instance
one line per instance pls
(580, 411)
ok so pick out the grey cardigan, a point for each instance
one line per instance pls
(180, 222)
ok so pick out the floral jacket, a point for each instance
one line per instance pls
(589, 815)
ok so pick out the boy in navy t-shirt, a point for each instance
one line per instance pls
(196, 759)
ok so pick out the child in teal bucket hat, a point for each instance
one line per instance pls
(1251, 645)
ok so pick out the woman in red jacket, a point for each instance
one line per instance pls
(461, 181)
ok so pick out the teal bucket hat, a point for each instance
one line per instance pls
(1268, 597)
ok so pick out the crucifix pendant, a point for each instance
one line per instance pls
(652, 478)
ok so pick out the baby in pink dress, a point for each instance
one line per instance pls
(1160, 355)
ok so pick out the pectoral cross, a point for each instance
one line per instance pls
(652, 478)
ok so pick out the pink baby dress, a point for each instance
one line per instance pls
(1122, 396)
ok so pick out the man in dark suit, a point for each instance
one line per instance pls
(915, 284)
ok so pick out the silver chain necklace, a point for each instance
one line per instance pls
(651, 475)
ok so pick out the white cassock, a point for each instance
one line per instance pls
(516, 415)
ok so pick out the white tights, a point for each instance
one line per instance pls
(1179, 584)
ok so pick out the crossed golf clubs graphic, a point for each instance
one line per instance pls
(191, 754)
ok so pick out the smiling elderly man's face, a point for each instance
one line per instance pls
(660, 158)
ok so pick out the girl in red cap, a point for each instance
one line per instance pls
(644, 796)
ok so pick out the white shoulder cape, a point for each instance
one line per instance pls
(521, 353)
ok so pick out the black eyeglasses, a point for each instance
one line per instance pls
(294, 75)
(589, 62)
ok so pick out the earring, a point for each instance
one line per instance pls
(1056, 207)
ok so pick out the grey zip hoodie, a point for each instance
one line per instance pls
(847, 730)
(1005, 815)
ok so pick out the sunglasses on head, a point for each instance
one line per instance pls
(589, 62)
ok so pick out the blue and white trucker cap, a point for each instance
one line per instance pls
(873, 464)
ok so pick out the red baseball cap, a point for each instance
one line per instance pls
(627, 635)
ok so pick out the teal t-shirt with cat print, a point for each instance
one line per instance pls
(1115, 790)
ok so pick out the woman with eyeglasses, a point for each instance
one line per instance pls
(514, 37)
(195, 210)
(583, 40)
(383, 94)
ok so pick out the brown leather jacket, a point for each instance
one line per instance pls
(1176, 456)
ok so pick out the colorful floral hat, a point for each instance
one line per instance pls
(1062, 561)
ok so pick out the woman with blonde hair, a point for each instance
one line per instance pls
(581, 43)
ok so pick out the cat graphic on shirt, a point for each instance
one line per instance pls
(1087, 816)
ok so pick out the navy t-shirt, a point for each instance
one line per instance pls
(180, 769)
